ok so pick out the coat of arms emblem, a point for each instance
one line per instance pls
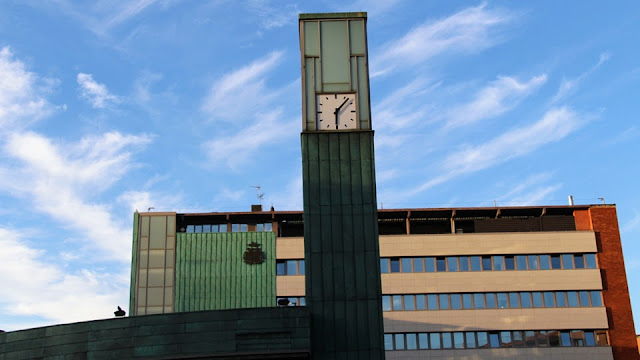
(254, 254)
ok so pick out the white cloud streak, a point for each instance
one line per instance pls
(569, 86)
(500, 96)
(468, 31)
(95, 93)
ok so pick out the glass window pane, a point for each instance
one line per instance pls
(565, 339)
(561, 300)
(567, 261)
(471, 340)
(406, 265)
(589, 339)
(514, 302)
(434, 340)
(584, 298)
(244, 228)
(409, 303)
(190, 228)
(578, 259)
(555, 262)
(397, 302)
(458, 340)
(303, 301)
(483, 340)
(206, 228)
(486, 263)
(467, 302)
(554, 338)
(475, 263)
(537, 299)
(591, 261)
(395, 265)
(498, 262)
(478, 301)
(388, 341)
(529, 338)
(300, 267)
(601, 337)
(223, 228)
(429, 264)
(533, 262)
(509, 263)
(446, 341)
(456, 302)
(505, 339)
(577, 338)
(596, 299)
(464, 263)
(386, 303)
(432, 302)
(292, 267)
(525, 300)
(423, 341)
(418, 264)
(491, 300)
(572, 298)
(545, 262)
(440, 264)
(502, 301)
(444, 301)
(521, 262)
(549, 299)
(542, 340)
(452, 263)
(384, 265)
(420, 303)
(198, 228)
(412, 342)
(399, 341)
(518, 340)
(494, 341)
(280, 268)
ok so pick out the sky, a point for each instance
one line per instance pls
(111, 106)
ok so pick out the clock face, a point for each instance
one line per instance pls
(336, 111)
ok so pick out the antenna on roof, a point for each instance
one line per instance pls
(260, 193)
(602, 199)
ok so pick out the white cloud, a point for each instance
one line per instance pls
(533, 190)
(632, 224)
(21, 93)
(241, 92)
(404, 106)
(569, 86)
(61, 180)
(97, 94)
(234, 151)
(271, 16)
(468, 31)
(500, 96)
(39, 292)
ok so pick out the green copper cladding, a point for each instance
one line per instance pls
(134, 264)
(343, 289)
(211, 274)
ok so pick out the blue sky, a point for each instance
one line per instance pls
(111, 106)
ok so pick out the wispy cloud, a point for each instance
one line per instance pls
(272, 14)
(569, 86)
(500, 96)
(22, 100)
(403, 107)
(468, 31)
(61, 179)
(533, 190)
(95, 93)
(241, 92)
(632, 224)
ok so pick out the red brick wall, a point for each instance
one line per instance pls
(604, 221)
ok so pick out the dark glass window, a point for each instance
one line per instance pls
(577, 338)
(440, 264)
(518, 340)
(545, 262)
(397, 302)
(418, 264)
(554, 338)
(412, 342)
(578, 259)
(567, 261)
(386, 303)
(509, 263)
(395, 265)
(498, 262)
(591, 261)
(584, 298)
(420, 303)
(542, 338)
(486, 263)
(464, 263)
(388, 341)
(549, 299)
(478, 301)
(494, 340)
(491, 301)
(458, 340)
(452, 263)
(434, 340)
(513, 300)
(483, 339)
(384, 265)
(432, 302)
(505, 339)
(280, 268)
(429, 264)
(444, 301)
(399, 341)
(561, 300)
(409, 303)
(406, 265)
(555, 262)
(533, 262)
(446, 340)
(529, 338)
(471, 340)
(423, 340)
(537, 299)
(521, 262)
(467, 302)
(475, 263)
(596, 299)
(525, 299)
(572, 298)
(456, 302)
(502, 301)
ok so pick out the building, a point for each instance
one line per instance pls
(476, 283)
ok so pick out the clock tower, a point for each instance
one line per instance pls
(343, 289)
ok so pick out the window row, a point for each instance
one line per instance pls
(293, 300)
(487, 263)
(506, 300)
(494, 339)
(223, 228)
(290, 267)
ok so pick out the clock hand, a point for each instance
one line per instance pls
(341, 105)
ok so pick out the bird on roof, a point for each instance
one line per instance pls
(119, 312)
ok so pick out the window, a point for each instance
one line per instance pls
(486, 263)
(420, 304)
(440, 264)
(577, 338)
(505, 339)
(399, 341)
(464, 263)
(467, 302)
(529, 338)
(491, 301)
(471, 340)
(555, 262)
(537, 299)
(456, 302)
(591, 261)
(397, 302)
(423, 341)
(521, 262)
(589, 339)
(412, 343)
(384, 265)
(292, 267)
(498, 263)
(446, 340)
(386, 303)
(554, 338)
(418, 264)
(545, 262)
(429, 264)
(388, 341)
(601, 337)
(509, 263)
(444, 301)
(483, 339)
(518, 339)
(549, 299)
(525, 299)
(395, 265)
(572, 298)
(406, 265)
(596, 298)
(565, 338)
(584, 298)
(533, 262)
(478, 301)
(494, 341)
(452, 263)
(458, 340)
(567, 261)
(300, 267)
(579, 261)
(561, 301)
(432, 302)
(513, 300)
(475, 263)
(434, 339)
(280, 268)
(502, 301)
(542, 339)
(409, 302)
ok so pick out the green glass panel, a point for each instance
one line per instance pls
(363, 94)
(335, 56)
(341, 87)
(309, 92)
(356, 37)
(311, 39)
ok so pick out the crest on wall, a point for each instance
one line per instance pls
(254, 254)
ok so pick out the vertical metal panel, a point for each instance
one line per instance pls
(134, 264)
(211, 275)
